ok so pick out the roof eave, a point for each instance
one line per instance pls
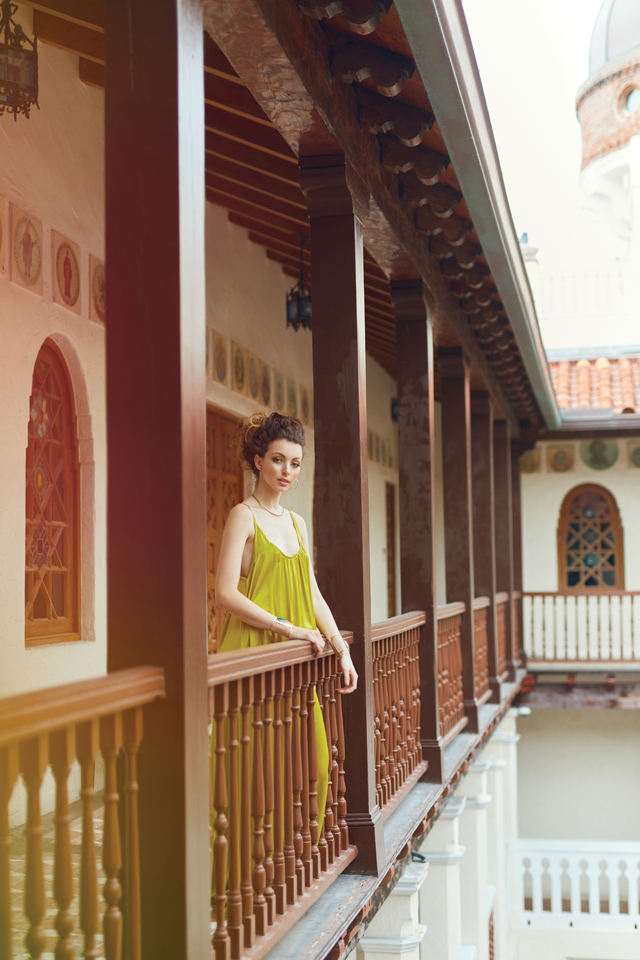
(439, 38)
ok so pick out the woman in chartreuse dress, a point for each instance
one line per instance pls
(265, 580)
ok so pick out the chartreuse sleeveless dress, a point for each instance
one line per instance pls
(281, 585)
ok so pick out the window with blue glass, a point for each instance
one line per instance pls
(590, 540)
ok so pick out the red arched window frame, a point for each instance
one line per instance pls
(52, 591)
(590, 541)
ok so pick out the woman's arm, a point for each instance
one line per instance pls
(326, 621)
(238, 530)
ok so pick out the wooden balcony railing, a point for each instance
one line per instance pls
(481, 648)
(53, 728)
(450, 693)
(271, 854)
(582, 629)
(396, 698)
(517, 626)
(502, 599)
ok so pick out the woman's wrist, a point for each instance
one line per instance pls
(338, 644)
(281, 626)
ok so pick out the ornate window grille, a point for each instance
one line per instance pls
(590, 552)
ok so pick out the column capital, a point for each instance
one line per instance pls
(482, 403)
(409, 302)
(332, 188)
(453, 363)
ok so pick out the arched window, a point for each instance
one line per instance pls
(590, 554)
(51, 569)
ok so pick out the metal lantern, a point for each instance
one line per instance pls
(18, 65)
(299, 300)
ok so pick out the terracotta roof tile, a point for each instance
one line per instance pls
(604, 383)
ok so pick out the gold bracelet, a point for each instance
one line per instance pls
(339, 650)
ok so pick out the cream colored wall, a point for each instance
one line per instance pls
(51, 166)
(542, 496)
(579, 775)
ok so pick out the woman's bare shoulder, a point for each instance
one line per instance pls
(241, 517)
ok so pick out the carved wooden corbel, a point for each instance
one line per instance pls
(427, 164)
(379, 114)
(466, 254)
(453, 229)
(469, 306)
(451, 268)
(361, 16)
(441, 198)
(477, 275)
(460, 288)
(354, 61)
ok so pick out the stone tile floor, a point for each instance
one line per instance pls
(18, 865)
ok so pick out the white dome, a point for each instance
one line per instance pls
(616, 31)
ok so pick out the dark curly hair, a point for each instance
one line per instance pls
(258, 431)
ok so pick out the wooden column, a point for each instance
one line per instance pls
(416, 455)
(154, 130)
(516, 510)
(484, 540)
(337, 203)
(458, 509)
(504, 526)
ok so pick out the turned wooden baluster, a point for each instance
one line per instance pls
(289, 850)
(235, 925)
(314, 830)
(323, 847)
(87, 745)
(62, 754)
(110, 746)
(400, 701)
(33, 763)
(333, 760)
(393, 702)
(304, 750)
(386, 724)
(342, 789)
(377, 732)
(298, 843)
(328, 813)
(132, 735)
(267, 766)
(279, 881)
(246, 886)
(9, 764)
(258, 875)
(221, 939)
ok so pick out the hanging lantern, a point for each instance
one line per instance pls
(299, 300)
(18, 65)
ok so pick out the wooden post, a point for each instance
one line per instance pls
(504, 528)
(516, 512)
(154, 132)
(416, 456)
(337, 204)
(484, 540)
(458, 509)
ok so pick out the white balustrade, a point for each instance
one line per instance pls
(582, 630)
(579, 883)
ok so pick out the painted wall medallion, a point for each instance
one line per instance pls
(530, 461)
(66, 272)
(292, 398)
(265, 384)
(220, 358)
(599, 454)
(278, 383)
(26, 250)
(97, 290)
(305, 406)
(560, 459)
(3, 233)
(239, 369)
(634, 454)
(254, 376)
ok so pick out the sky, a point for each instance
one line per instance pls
(533, 57)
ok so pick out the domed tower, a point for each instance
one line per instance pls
(608, 107)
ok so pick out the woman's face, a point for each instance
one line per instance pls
(280, 466)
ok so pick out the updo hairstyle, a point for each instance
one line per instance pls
(258, 431)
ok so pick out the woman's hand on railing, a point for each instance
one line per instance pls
(348, 672)
(314, 637)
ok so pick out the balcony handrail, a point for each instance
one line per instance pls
(583, 592)
(450, 610)
(38, 712)
(502, 597)
(480, 603)
(395, 625)
(237, 664)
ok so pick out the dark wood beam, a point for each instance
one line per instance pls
(249, 131)
(92, 73)
(251, 157)
(231, 202)
(254, 180)
(83, 13)
(69, 35)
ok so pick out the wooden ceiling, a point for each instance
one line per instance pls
(253, 173)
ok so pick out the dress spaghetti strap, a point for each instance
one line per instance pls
(296, 528)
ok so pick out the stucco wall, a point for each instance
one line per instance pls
(51, 166)
(542, 496)
(579, 775)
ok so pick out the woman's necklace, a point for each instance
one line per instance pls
(267, 508)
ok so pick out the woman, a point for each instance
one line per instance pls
(265, 579)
